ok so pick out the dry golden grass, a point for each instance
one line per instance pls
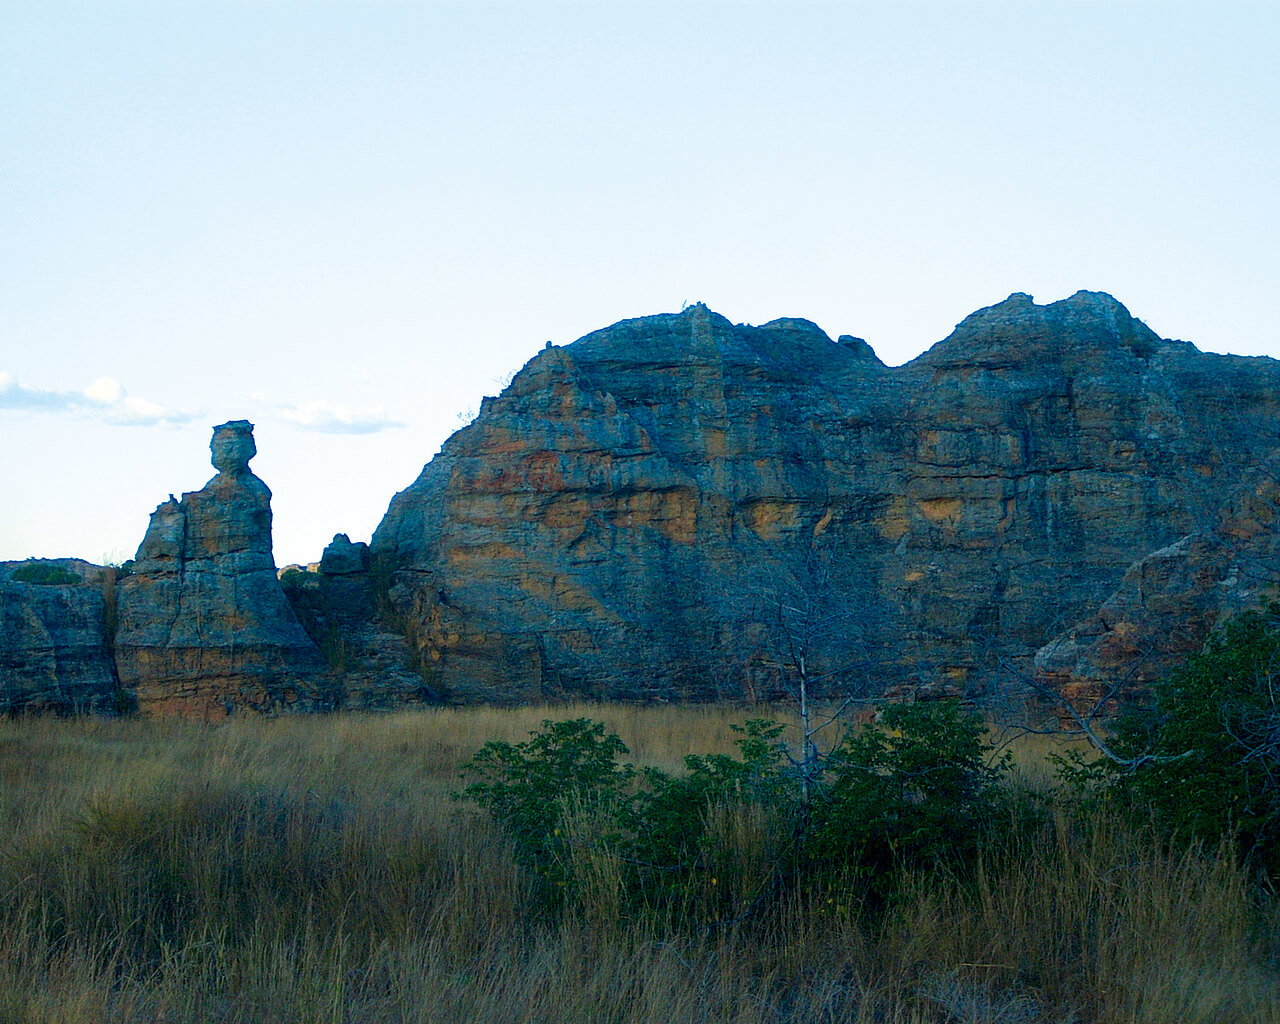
(314, 869)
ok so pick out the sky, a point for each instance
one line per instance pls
(348, 222)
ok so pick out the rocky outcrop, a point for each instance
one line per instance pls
(343, 608)
(1167, 603)
(54, 649)
(653, 510)
(342, 558)
(677, 506)
(204, 626)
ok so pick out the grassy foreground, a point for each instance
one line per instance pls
(316, 869)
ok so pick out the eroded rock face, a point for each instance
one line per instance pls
(54, 649)
(339, 605)
(342, 558)
(205, 628)
(626, 516)
(1167, 603)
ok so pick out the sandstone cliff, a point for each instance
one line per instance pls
(630, 516)
(204, 626)
(677, 506)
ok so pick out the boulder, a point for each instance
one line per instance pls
(342, 558)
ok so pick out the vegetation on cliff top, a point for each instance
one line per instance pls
(45, 574)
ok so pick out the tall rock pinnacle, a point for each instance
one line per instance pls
(205, 628)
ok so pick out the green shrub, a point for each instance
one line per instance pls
(914, 791)
(45, 574)
(531, 787)
(662, 833)
(671, 814)
(1204, 758)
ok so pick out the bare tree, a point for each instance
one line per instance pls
(805, 636)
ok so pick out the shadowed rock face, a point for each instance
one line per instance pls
(1167, 603)
(204, 625)
(626, 516)
(340, 606)
(54, 652)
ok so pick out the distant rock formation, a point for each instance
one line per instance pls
(637, 511)
(342, 608)
(204, 626)
(680, 507)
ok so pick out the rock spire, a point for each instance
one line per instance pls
(205, 627)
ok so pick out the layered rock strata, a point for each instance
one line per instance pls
(667, 507)
(204, 626)
(677, 506)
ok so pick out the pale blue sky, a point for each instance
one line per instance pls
(347, 222)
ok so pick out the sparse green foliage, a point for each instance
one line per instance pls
(662, 831)
(1205, 757)
(45, 574)
(915, 791)
(677, 846)
(530, 787)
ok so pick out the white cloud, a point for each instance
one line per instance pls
(18, 396)
(104, 389)
(329, 418)
(105, 397)
(140, 408)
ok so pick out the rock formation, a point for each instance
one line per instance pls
(645, 512)
(677, 506)
(1167, 603)
(204, 626)
(342, 608)
(54, 648)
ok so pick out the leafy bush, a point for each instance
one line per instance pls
(45, 574)
(710, 839)
(1205, 757)
(565, 801)
(915, 792)
(531, 787)
(672, 813)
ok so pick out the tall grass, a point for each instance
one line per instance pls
(315, 870)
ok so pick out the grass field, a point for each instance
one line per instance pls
(315, 869)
